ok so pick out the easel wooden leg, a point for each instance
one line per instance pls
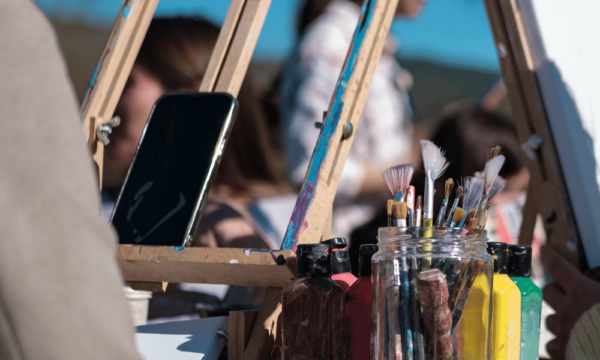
(240, 328)
(529, 219)
(327, 229)
(263, 333)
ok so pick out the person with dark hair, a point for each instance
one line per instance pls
(173, 57)
(383, 137)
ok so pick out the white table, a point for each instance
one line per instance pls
(181, 340)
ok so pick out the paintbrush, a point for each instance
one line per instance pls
(415, 308)
(497, 186)
(435, 164)
(406, 324)
(397, 178)
(472, 195)
(418, 211)
(399, 214)
(459, 194)
(410, 202)
(494, 152)
(449, 186)
(459, 215)
(392, 299)
(492, 168)
(389, 208)
(475, 267)
(471, 221)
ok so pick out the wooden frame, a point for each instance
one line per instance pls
(519, 74)
(112, 71)
(152, 267)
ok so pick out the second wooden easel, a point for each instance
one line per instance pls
(547, 194)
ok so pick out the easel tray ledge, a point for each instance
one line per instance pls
(230, 266)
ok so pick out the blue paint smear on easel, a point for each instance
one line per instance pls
(92, 80)
(297, 222)
(127, 11)
(179, 248)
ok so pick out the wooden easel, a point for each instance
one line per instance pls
(519, 74)
(151, 268)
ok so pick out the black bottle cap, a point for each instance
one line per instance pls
(336, 243)
(519, 261)
(499, 252)
(340, 262)
(313, 260)
(364, 258)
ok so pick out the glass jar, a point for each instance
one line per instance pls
(431, 294)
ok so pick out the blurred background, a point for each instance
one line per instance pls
(449, 48)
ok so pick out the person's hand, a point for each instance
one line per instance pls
(570, 294)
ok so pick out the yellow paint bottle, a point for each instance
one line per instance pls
(473, 329)
(506, 308)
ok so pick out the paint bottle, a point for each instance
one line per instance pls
(506, 308)
(519, 270)
(358, 308)
(340, 259)
(472, 331)
(312, 308)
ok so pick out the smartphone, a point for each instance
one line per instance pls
(173, 168)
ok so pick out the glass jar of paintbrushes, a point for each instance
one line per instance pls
(431, 294)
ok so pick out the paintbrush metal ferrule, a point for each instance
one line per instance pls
(410, 219)
(442, 213)
(398, 195)
(452, 210)
(428, 200)
(400, 222)
(418, 218)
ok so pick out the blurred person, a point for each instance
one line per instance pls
(249, 206)
(384, 135)
(576, 300)
(61, 293)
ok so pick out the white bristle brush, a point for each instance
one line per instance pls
(435, 164)
(397, 178)
(497, 186)
(492, 168)
(472, 196)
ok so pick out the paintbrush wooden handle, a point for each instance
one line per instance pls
(432, 292)
(442, 213)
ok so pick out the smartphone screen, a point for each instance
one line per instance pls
(169, 178)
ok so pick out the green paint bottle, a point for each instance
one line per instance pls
(519, 270)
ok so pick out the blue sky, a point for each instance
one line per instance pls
(451, 32)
